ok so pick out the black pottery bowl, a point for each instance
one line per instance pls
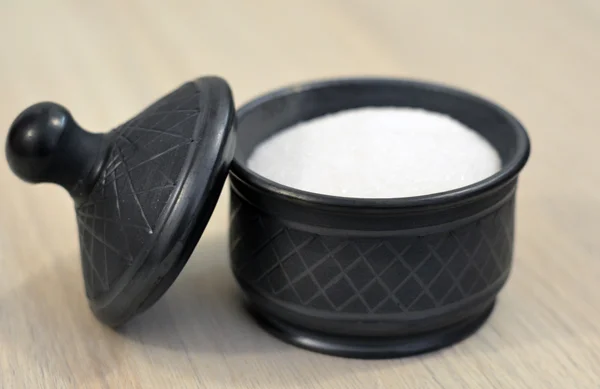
(372, 278)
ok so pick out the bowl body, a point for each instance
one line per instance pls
(372, 277)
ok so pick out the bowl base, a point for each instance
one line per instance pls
(371, 348)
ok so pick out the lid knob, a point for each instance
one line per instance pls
(45, 144)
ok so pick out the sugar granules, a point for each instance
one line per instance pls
(376, 153)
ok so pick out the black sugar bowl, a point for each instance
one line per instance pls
(366, 278)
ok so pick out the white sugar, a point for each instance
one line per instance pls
(376, 153)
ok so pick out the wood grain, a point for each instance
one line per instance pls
(107, 59)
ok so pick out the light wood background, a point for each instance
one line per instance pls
(105, 60)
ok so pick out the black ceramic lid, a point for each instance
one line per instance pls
(143, 192)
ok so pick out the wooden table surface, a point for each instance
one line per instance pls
(105, 60)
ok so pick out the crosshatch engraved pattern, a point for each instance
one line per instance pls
(146, 157)
(402, 274)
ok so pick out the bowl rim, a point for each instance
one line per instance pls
(508, 172)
